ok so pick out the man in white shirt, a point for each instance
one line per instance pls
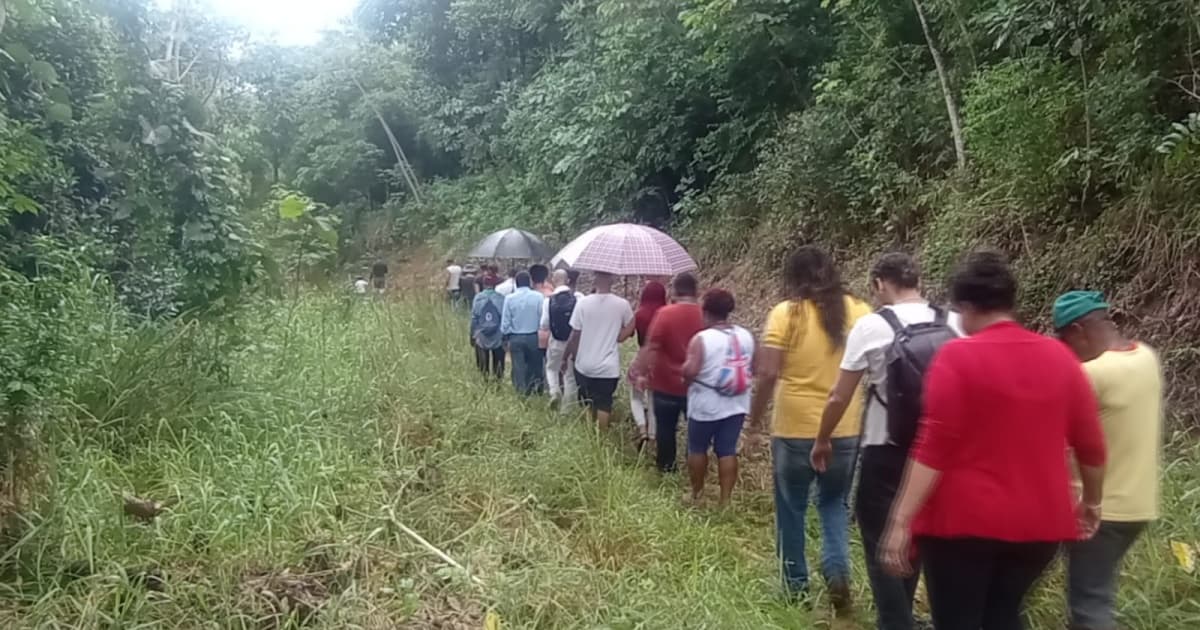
(599, 324)
(507, 287)
(453, 274)
(560, 376)
(896, 282)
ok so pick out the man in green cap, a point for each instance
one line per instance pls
(1127, 379)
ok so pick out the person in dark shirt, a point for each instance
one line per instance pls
(466, 287)
(379, 273)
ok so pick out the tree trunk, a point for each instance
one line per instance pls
(960, 146)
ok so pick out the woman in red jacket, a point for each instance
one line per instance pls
(987, 493)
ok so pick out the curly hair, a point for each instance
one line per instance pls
(719, 303)
(811, 275)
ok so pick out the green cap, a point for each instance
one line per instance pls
(1069, 307)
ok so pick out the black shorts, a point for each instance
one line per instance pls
(596, 393)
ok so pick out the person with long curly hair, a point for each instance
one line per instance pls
(801, 351)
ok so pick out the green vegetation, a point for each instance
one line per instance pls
(176, 198)
(345, 422)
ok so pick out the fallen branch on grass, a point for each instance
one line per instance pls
(429, 546)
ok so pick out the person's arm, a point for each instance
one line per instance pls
(694, 361)
(630, 324)
(844, 391)
(572, 347)
(506, 323)
(1086, 437)
(544, 324)
(767, 365)
(475, 313)
(919, 481)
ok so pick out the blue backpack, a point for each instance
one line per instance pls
(489, 319)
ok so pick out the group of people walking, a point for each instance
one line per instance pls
(982, 450)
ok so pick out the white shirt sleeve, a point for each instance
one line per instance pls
(954, 321)
(626, 314)
(577, 315)
(545, 323)
(863, 338)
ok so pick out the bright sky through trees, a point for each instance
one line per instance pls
(286, 21)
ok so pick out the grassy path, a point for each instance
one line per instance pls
(345, 425)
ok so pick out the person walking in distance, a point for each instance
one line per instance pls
(454, 273)
(803, 343)
(717, 371)
(379, 272)
(653, 299)
(987, 494)
(486, 313)
(1127, 379)
(599, 324)
(519, 325)
(661, 365)
(539, 276)
(466, 286)
(556, 323)
(900, 339)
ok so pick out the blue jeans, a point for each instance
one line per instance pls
(528, 363)
(794, 476)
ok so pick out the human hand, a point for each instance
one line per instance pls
(821, 455)
(894, 550)
(1088, 517)
(643, 382)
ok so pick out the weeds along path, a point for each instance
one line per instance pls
(340, 428)
(342, 424)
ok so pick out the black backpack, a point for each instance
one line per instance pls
(908, 358)
(562, 305)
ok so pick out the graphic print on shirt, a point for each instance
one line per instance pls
(734, 377)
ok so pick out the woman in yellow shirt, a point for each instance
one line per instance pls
(802, 347)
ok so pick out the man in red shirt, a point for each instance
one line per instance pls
(662, 359)
(987, 492)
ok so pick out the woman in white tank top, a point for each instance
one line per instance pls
(718, 373)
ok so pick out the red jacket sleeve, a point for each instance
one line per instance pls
(1085, 433)
(944, 412)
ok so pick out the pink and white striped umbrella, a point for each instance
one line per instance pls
(626, 249)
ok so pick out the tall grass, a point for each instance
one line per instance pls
(340, 427)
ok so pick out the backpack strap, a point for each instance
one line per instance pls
(939, 315)
(889, 316)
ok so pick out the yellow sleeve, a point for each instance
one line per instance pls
(858, 310)
(775, 332)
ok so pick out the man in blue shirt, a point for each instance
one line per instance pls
(519, 325)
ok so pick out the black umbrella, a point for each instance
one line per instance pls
(511, 243)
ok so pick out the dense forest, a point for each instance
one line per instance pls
(192, 166)
(172, 186)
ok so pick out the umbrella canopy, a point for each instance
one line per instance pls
(626, 249)
(510, 243)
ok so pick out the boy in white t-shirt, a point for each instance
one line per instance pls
(599, 323)
(896, 282)
(454, 273)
